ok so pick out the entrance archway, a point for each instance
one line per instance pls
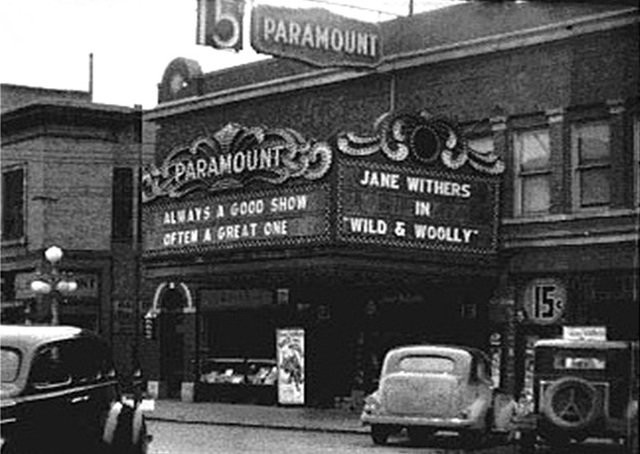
(171, 303)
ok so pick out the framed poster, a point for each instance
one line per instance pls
(290, 356)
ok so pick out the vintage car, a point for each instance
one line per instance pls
(582, 389)
(431, 388)
(60, 394)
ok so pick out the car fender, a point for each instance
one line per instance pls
(479, 409)
(504, 410)
(111, 423)
(138, 421)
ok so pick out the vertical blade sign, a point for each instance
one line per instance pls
(220, 23)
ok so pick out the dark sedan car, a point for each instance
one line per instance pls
(583, 389)
(60, 394)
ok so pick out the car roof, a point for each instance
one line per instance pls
(29, 337)
(566, 343)
(436, 348)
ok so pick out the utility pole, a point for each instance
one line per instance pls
(91, 76)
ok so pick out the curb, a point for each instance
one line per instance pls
(256, 425)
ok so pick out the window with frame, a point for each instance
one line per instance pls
(122, 213)
(533, 172)
(12, 204)
(636, 161)
(591, 152)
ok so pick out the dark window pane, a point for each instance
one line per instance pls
(533, 157)
(535, 194)
(13, 204)
(593, 143)
(122, 220)
(534, 151)
(594, 185)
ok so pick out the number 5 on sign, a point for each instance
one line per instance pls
(544, 301)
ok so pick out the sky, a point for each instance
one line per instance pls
(47, 43)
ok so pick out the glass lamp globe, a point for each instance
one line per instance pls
(66, 286)
(41, 287)
(53, 254)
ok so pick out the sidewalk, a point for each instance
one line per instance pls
(301, 418)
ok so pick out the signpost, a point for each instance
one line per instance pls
(545, 301)
(584, 333)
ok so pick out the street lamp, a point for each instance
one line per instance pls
(53, 282)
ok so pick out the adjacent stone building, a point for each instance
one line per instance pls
(70, 178)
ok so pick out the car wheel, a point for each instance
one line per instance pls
(571, 403)
(380, 434)
(419, 435)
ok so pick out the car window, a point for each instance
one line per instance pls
(484, 372)
(423, 363)
(48, 367)
(10, 364)
(87, 360)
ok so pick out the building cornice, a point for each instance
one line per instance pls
(50, 112)
(495, 43)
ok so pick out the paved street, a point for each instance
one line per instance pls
(181, 438)
(198, 428)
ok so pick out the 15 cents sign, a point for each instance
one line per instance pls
(545, 300)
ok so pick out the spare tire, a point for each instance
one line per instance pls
(571, 403)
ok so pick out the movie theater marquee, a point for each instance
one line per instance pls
(415, 184)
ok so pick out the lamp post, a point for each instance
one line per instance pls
(53, 282)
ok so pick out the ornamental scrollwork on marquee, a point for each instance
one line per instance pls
(428, 138)
(233, 157)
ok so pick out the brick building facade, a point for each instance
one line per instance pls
(69, 178)
(552, 90)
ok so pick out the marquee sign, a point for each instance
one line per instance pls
(417, 199)
(294, 216)
(315, 36)
(234, 157)
(428, 140)
(411, 207)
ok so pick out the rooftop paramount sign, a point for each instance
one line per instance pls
(315, 36)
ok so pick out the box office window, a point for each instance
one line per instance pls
(591, 153)
(533, 172)
(13, 204)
